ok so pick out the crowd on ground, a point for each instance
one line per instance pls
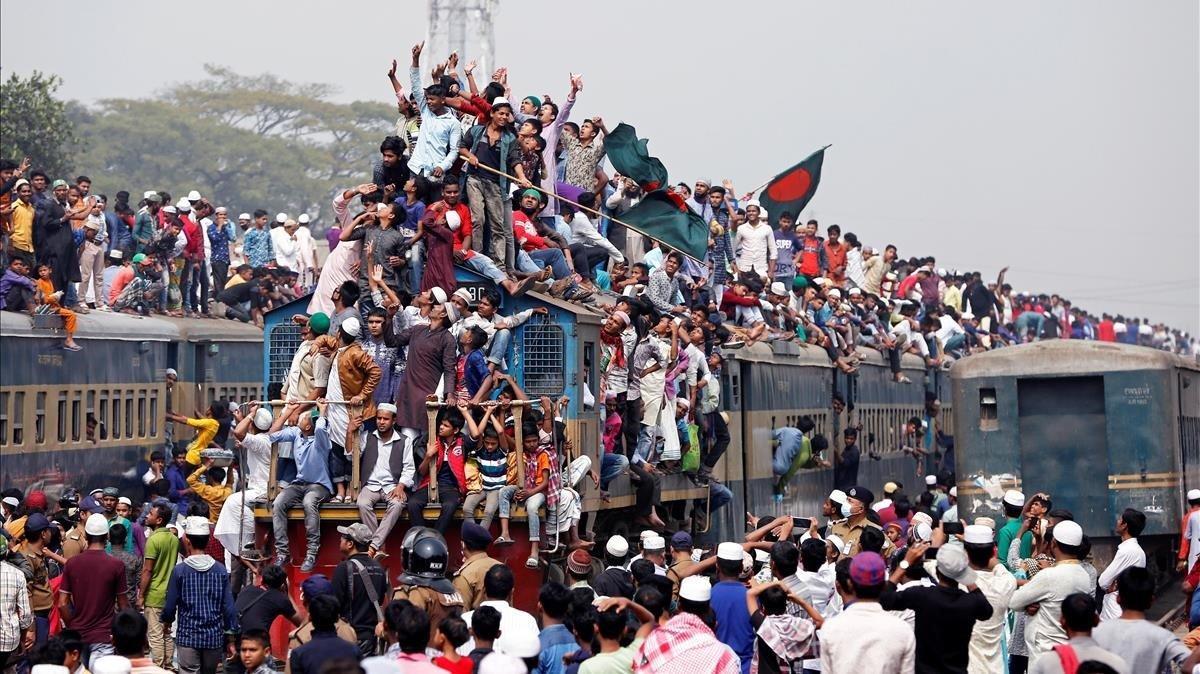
(103, 584)
(518, 193)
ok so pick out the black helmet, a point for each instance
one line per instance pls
(425, 560)
(411, 537)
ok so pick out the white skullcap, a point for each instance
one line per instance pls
(243, 216)
(730, 552)
(1014, 498)
(986, 522)
(835, 292)
(954, 491)
(262, 419)
(385, 407)
(96, 525)
(149, 193)
(125, 500)
(924, 532)
(439, 295)
(838, 496)
(11, 501)
(777, 288)
(683, 402)
(112, 664)
(647, 534)
(977, 533)
(819, 281)
(196, 526)
(193, 196)
(281, 218)
(1068, 533)
(617, 546)
(931, 480)
(352, 327)
(855, 291)
(695, 588)
(837, 542)
(303, 219)
(655, 542)
(170, 372)
(183, 205)
(1193, 494)
(169, 209)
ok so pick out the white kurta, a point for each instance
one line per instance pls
(235, 524)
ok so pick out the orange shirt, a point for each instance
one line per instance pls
(835, 256)
(47, 288)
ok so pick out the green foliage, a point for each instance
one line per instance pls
(251, 142)
(34, 124)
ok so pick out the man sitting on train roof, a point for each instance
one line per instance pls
(311, 446)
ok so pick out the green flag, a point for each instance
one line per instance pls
(662, 215)
(791, 190)
(631, 157)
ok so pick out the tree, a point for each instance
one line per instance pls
(34, 124)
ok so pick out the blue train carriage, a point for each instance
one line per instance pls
(91, 418)
(1098, 426)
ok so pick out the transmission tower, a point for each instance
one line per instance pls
(464, 26)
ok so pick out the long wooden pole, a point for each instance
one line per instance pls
(581, 207)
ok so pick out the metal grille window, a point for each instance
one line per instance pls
(542, 345)
(284, 339)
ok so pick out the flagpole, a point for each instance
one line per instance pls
(751, 192)
(581, 207)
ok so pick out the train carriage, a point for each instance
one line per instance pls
(1099, 426)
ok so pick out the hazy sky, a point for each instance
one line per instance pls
(1060, 138)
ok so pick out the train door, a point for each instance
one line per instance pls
(1062, 422)
(1189, 428)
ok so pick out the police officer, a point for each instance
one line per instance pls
(468, 580)
(849, 530)
(425, 557)
(315, 586)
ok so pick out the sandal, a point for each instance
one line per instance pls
(500, 540)
(532, 563)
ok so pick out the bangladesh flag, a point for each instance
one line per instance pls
(662, 215)
(791, 190)
(631, 157)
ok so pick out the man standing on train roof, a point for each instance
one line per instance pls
(310, 449)
(1013, 502)
(615, 581)
(308, 375)
(425, 559)
(858, 499)
(353, 376)
(387, 465)
(468, 580)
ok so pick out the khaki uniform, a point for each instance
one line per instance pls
(851, 533)
(74, 542)
(468, 580)
(40, 598)
(677, 572)
(303, 634)
(438, 605)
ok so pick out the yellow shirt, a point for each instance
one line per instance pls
(206, 431)
(235, 280)
(22, 226)
(953, 298)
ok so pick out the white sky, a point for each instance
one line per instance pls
(1060, 138)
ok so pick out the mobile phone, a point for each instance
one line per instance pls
(952, 528)
(931, 553)
(801, 523)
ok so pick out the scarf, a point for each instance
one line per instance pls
(618, 347)
(789, 637)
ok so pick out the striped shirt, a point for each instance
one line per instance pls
(201, 595)
(493, 468)
(15, 614)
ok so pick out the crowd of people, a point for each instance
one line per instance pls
(517, 192)
(178, 578)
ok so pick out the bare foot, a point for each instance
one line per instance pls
(578, 544)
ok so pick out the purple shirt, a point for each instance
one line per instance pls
(333, 237)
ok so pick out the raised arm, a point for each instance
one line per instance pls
(414, 75)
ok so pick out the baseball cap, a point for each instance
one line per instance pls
(357, 532)
(681, 540)
(868, 568)
(36, 523)
(952, 563)
(475, 536)
(315, 586)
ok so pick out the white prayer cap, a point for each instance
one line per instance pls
(196, 526)
(303, 219)
(819, 281)
(169, 209)
(695, 588)
(930, 480)
(112, 664)
(837, 542)
(647, 534)
(729, 551)
(655, 542)
(924, 532)
(386, 407)
(96, 525)
(987, 522)
(777, 288)
(243, 216)
(977, 533)
(1014, 498)
(954, 491)
(439, 295)
(262, 419)
(183, 205)
(838, 496)
(149, 193)
(125, 500)
(193, 196)
(11, 501)
(617, 546)
(1068, 533)
(281, 218)
(352, 327)
(1193, 494)
(855, 291)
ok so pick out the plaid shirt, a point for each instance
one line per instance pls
(685, 645)
(204, 602)
(15, 614)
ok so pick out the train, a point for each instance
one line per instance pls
(91, 418)
(1098, 426)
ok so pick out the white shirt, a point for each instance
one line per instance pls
(1048, 589)
(854, 266)
(865, 638)
(755, 245)
(817, 589)
(513, 622)
(984, 650)
(949, 328)
(584, 232)
(1129, 554)
(1192, 533)
(337, 414)
(381, 477)
(258, 464)
(287, 248)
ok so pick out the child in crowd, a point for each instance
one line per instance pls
(473, 374)
(451, 634)
(535, 492)
(47, 296)
(494, 464)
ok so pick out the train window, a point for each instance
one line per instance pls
(989, 416)
(115, 397)
(129, 414)
(18, 417)
(39, 422)
(102, 415)
(76, 413)
(283, 340)
(154, 413)
(62, 416)
(4, 396)
(141, 412)
(542, 347)
(589, 367)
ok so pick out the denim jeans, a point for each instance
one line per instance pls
(491, 504)
(498, 350)
(612, 464)
(310, 497)
(533, 262)
(645, 442)
(487, 208)
(484, 265)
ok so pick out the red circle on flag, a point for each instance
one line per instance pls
(791, 186)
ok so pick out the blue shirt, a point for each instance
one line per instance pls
(786, 247)
(178, 483)
(257, 247)
(220, 238)
(204, 601)
(324, 647)
(733, 620)
(311, 453)
(556, 642)
(437, 144)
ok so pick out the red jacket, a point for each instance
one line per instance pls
(194, 250)
(457, 455)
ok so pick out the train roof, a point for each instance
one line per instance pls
(124, 327)
(1066, 357)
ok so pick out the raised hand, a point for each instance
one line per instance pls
(416, 52)
(470, 67)
(392, 71)
(576, 82)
